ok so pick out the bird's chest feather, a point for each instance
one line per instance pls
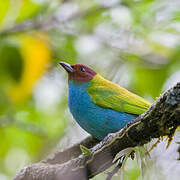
(96, 120)
(79, 102)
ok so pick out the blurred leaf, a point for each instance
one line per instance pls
(11, 61)
(4, 6)
(14, 137)
(150, 81)
(28, 9)
(92, 19)
(64, 47)
(36, 55)
(175, 60)
(3, 144)
(4, 103)
(176, 16)
(142, 10)
(17, 10)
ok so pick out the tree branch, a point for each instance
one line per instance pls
(161, 119)
(53, 20)
(8, 120)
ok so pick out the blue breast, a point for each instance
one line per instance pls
(96, 120)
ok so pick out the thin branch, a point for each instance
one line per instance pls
(162, 119)
(9, 120)
(53, 21)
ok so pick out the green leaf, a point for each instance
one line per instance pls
(11, 61)
(150, 81)
(28, 10)
(85, 150)
(4, 7)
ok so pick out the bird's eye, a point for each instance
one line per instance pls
(82, 69)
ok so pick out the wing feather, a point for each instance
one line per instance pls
(110, 95)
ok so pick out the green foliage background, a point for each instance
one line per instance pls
(133, 43)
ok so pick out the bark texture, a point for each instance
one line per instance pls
(161, 119)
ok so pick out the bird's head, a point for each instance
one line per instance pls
(78, 72)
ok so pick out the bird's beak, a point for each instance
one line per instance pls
(67, 67)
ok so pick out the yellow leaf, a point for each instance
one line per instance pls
(36, 56)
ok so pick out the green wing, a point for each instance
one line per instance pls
(110, 95)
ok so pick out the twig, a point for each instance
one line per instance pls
(9, 120)
(52, 21)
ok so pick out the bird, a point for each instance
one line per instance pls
(98, 105)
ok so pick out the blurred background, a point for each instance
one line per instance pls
(135, 43)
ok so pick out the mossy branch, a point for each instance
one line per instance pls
(161, 119)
